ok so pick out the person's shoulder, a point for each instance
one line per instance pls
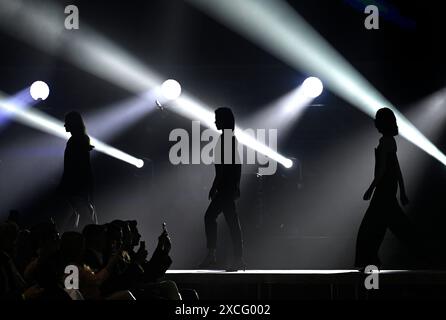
(388, 144)
(85, 139)
(82, 142)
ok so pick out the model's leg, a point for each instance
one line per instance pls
(74, 218)
(210, 224)
(231, 216)
(405, 231)
(92, 212)
(370, 236)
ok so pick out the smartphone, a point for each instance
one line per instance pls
(142, 244)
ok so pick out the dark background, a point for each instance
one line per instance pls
(289, 220)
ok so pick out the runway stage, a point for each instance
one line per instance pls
(311, 284)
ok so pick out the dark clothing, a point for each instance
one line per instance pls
(384, 211)
(135, 276)
(227, 190)
(386, 150)
(156, 267)
(227, 175)
(130, 276)
(84, 212)
(226, 204)
(381, 215)
(77, 179)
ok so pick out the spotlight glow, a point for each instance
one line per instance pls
(94, 53)
(282, 114)
(196, 111)
(312, 87)
(287, 36)
(171, 89)
(45, 123)
(39, 90)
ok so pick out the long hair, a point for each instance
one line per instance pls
(76, 123)
(385, 122)
(226, 116)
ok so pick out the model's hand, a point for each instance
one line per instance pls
(404, 200)
(368, 194)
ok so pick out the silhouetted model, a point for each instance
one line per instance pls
(384, 211)
(77, 179)
(225, 190)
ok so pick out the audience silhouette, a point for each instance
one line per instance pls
(109, 265)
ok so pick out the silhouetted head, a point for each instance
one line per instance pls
(385, 122)
(224, 119)
(74, 123)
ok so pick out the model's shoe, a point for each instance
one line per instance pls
(236, 266)
(210, 262)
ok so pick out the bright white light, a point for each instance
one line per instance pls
(39, 90)
(312, 87)
(171, 89)
(300, 46)
(194, 110)
(45, 123)
(94, 53)
(139, 164)
(282, 114)
(288, 163)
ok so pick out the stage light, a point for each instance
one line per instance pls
(21, 100)
(39, 90)
(429, 115)
(194, 110)
(312, 87)
(111, 120)
(286, 35)
(288, 163)
(282, 114)
(97, 55)
(33, 21)
(45, 123)
(171, 89)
